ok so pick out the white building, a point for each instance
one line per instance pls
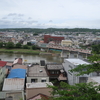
(94, 79)
(72, 77)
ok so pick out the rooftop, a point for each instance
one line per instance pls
(2, 63)
(11, 84)
(17, 73)
(54, 67)
(38, 84)
(77, 61)
(37, 70)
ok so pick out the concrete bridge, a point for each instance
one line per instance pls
(69, 52)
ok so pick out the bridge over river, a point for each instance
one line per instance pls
(69, 52)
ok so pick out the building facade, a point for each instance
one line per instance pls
(72, 77)
(57, 39)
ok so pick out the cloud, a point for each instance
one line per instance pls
(20, 15)
(4, 18)
(50, 21)
(12, 14)
(50, 13)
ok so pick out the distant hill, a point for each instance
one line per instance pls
(48, 30)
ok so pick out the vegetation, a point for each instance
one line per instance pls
(25, 47)
(94, 65)
(20, 51)
(10, 45)
(96, 49)
(18, 45)
(1, 44)
(81, 91)
(36, 31)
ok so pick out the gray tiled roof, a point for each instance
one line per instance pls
(54, 67)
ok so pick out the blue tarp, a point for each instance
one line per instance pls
(17, 73)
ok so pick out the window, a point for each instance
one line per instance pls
(43, 80)
(52, 72)
(33, 80)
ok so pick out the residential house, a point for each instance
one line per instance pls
(18, 61)
(37, 73)
(13, 95)
(66, 43)
(3, 72)
(72, 77)
(33, 89)
(15, 80)
(13, 84)
(54, 71)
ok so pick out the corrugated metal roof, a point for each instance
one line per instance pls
(17, 73)
(13, 84)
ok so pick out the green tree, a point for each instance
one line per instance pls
(35, 34)
(96, 49)
(1, 44)
(18, 45)
(94, 66)
(10, 45)
(29, 43)
(34, 47)
(81, 91)
(25, 47)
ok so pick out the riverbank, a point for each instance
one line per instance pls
(26, 51)
(20, 51)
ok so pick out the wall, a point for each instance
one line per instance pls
(38, 79)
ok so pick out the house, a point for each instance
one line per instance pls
(13, 84)
(54, 70)
(37, 73)
(18, 61)
(13, 95)
(3, 72)
(17, 73)
(33, 89)
(72, 77)
(66, 43)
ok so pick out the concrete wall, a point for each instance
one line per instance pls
(38, 79)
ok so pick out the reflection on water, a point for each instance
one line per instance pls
(30, 58)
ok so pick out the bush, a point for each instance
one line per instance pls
(25, 47)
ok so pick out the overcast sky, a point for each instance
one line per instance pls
(50, 14)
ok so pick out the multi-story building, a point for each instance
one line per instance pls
(72, 77)
(56, 38)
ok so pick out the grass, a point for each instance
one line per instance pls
(26, 51)
(20, 51)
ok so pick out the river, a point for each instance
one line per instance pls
(30, 58)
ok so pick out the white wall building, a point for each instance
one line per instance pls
(72, 77)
